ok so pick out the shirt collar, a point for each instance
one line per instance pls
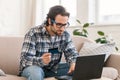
(44, 31)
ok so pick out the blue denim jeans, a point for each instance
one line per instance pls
(37, 73)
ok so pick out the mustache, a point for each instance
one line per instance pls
(59, 30)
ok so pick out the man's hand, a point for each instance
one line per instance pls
(46, 57)
(71, 69)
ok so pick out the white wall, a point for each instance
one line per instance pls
(27, 8)
(82, 9)
(9, 16)
(15, 16)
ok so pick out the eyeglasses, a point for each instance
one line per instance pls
(60, 25)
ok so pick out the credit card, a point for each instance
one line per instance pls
(54, 51)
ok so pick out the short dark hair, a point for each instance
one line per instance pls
(54, 11)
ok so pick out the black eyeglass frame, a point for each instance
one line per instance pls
(60, 25)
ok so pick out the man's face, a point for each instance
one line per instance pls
(59, 24)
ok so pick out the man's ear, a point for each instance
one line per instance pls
(49, 21)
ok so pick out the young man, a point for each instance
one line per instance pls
(43, 47)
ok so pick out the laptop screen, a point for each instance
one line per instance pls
(88, 67)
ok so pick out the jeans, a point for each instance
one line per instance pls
(37, 73)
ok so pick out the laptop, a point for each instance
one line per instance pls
(87, 67)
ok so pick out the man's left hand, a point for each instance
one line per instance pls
(71, 69)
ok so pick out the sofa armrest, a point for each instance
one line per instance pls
(114, 61)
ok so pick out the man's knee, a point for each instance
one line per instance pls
(33, 72)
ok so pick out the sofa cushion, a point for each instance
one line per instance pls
(110, 72)
(79, 40)
(11, 77)
(102, 78)
(96, 49)
(14, 77)
(10, 50)
(2, 73)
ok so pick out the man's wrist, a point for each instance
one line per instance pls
(72, 64)
(41, 60)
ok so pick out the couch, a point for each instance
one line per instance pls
(10, 48)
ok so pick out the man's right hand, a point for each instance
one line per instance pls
(46, 57)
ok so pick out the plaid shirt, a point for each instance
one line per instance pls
(38, 41)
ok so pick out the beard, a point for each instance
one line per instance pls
(57, 32)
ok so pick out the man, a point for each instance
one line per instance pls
(43, 47)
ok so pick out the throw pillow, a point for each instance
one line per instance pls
(110, 72)
(96, 49)
(2, 73)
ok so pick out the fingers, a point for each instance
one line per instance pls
(47, 54)
(70, 71)
(46, 57)
(72, 67)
